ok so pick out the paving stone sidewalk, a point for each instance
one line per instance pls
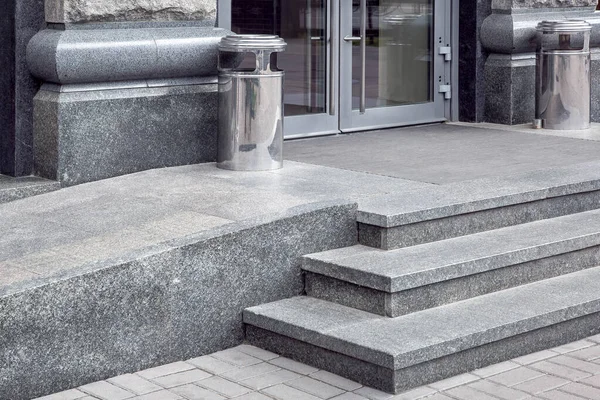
(571, 371)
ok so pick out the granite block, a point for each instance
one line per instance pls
(402, 379)
(123, 131)
(165, 303)
(430, 263)
(18, 188)
(416, 338)
(472, 222)
(399, 303)
(510, 88)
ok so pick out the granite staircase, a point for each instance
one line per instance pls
(447, 280)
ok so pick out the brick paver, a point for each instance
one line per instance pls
(571, 371)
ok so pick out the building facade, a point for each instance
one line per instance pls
(93, 90)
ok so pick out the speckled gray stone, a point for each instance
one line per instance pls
(466, 223)
(19, 188)
(418, 204)
(435, 262)
(394, 304)
(453, 337)
(508, 4)
(123, 131)
(407, 378)
(510, 88)
(168, 302)
(108, 55)
(60, 11)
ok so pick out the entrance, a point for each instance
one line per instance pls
(356, 65)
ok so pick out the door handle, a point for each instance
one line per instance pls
(350, 38)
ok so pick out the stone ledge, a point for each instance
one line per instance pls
(515, 32)
(109, 55)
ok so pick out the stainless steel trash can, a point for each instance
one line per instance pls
(563, 77)
(250, 134)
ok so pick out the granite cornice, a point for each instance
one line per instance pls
(514, 33)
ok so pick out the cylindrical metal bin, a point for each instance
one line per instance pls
(250, 103)
(563, 77)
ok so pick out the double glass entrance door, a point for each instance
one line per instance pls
(356, 64)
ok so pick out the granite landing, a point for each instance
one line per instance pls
(128, 273)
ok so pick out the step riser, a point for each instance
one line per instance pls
(446, 292)
(480, 221)
(420, 374)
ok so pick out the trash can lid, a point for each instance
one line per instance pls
(566, 25)
(239, 43)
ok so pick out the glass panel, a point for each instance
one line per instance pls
(398, 61)
(302, 23)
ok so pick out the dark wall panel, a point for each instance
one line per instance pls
(7, 86)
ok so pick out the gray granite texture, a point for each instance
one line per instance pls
(511, 4)
(510, 88)
(514, 33)
(19, 188)
(444, 153)
(441, 341)
(123, 131)
(427, 372)
(395, 304)
(471, 196)
(430, 263)
(171, 301)
(460, 224)
(107, 55)
(80, 11)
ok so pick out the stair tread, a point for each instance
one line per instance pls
(426, 335)
(422, 204)
(424, 264)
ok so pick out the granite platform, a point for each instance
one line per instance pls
(132, 272)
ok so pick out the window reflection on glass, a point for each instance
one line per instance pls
(398, 60)
(302, 24)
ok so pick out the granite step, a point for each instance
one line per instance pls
(398, 282)
(396, 354)
(21, 187)
(424, 215)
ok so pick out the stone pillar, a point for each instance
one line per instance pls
(509, 36)
(129, 85)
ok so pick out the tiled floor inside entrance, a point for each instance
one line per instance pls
(568, 372)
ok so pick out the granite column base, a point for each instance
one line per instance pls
(84, 133)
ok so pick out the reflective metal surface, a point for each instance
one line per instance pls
(250, 104)
(563, 75)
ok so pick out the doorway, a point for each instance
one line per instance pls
(354, 65)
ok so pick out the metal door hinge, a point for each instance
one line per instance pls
(447, 90)
(446, 51)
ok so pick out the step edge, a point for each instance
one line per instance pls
(393, 220)
(396, 283)
(397, 361)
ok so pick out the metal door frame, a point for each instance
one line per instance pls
(339, 116)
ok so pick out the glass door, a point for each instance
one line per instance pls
(306, 26)
(355, 65)
(390, 74)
